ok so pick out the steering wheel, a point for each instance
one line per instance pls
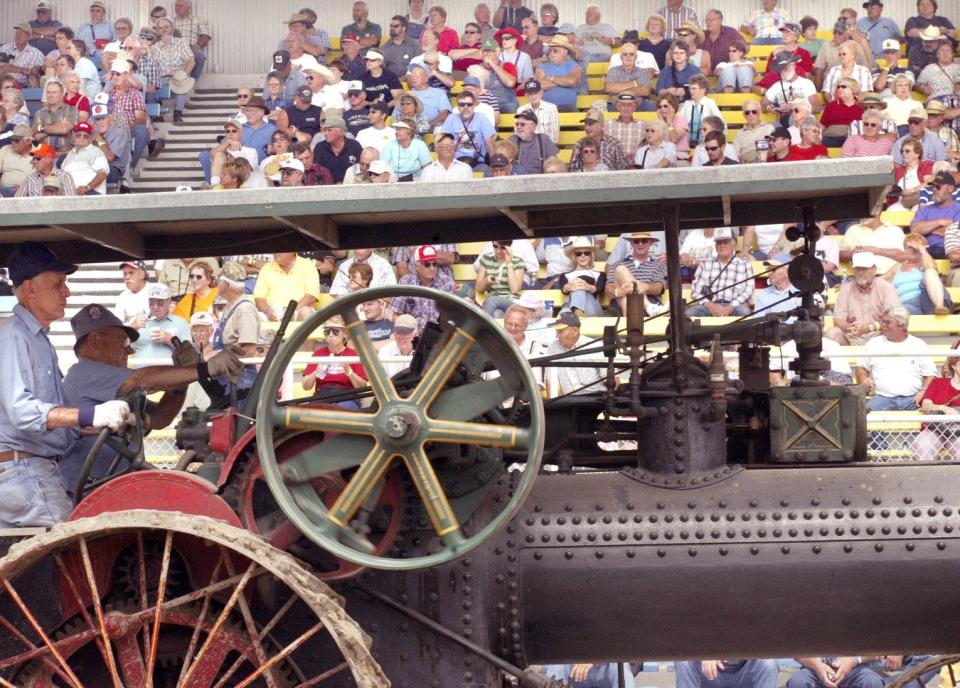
(128, 446)
(399, 429)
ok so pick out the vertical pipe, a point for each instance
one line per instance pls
(671, 224)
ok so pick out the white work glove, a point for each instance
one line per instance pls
(111, 414)
(226, 362)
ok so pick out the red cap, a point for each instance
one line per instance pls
(44, 150)
(350, 37)
(498, 36)
(85, 127)
(425, 253)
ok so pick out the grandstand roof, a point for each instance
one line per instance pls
(168, 225)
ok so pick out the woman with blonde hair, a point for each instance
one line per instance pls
(900, 102)
(916, 280)
(656, 42)
(849, 69)
(840, 112)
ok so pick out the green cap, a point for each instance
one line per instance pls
(491, 44)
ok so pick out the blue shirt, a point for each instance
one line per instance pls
(407, 161)
(933, 148)
(435, 101)
(770, 296)
(259, 139)
(90, 382)
(933, 211)
(145, 347)
(878, 31)
(90, 33)
(479, 128)
(31, 385)
(564, 97)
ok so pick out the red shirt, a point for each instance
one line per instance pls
(78, 101)
(462, 64)
(811, 153)
(804, 68)
(836, 112)
(336, 375)
(448, 40)
(940, 391)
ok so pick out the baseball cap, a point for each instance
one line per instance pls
(425, 252)
(158, 290)
(532, 85)
(98, 3)
(292, 164)
(626, 97)
(349, 37)
(529, 115)
(490, 44)
(138, 264)
(44, 150)
(944, 177)
(334, 123)
(593, 115)
(147, 33)
(99, 111)
(44, 5)
(85, 127)
(840, 26)
(864, 259)
(871, 3)
(471, 81)
(31, 258)
(373, 55)
(529, 301)
(93, 318)
(120, 66)
(25, 27)
(565, 320)
(891, 44)
(723, 234)
(355, 87)
(202, 318)
(499, 160)
(281, 58)
(792, 27)
(232, 271)
(405, 324)
(298, 18)
(304, 93)
(780, 133)
(21, 131)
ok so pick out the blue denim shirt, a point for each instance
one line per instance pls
(31, 384)
(259, 138)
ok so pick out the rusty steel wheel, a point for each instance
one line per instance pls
(152, 599)
(910, 678)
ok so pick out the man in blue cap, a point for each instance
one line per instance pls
(101, 373)
(36, 422)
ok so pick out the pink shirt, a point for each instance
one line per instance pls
(853, 305)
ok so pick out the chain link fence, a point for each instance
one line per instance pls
(901, 436)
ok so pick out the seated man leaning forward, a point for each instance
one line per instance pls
(723, 285)
(638, 272)
(897, 383)
(861, 303)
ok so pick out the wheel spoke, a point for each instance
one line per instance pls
(377, 377)
(98, 610)
(328, 420)
(254, 635)
(363, 482)
(472, 400)
(484, 434)
(32, 650)
(204, 609)
(441, 368)
(71, 584)
(304, 637)
(334, 454)
(131, 660)
(431, 492)
(320, 678)
(161, 591)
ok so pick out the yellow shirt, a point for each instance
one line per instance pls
(204, 303)
(277, 287)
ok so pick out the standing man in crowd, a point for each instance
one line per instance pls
(35, 421)
(195, 31)
(511, 13)
(368, 34)
(401, 48)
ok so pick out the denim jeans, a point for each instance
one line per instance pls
(771, 40)
(754, 673)
(904, 403)
(141, 137)
(496, 306)
(922, 305)
(700, 311)
(200, 60)
(32, 493)
(860, 676)
(179, 101)
(736, 77)
(583, 300)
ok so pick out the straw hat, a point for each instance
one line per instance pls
(579, 243)
(692, 28)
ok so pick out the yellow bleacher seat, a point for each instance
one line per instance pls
(900, 218)
(565, 154)
(834, 152)
(470, 248)
(597, 69)
(464, 272)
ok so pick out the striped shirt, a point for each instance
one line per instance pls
(28, 58)
(32, 185)
(675, 19)
(630, 136)
(767, 24)
(859, 147)
(650, 271)
(729, 282)
(859, 74)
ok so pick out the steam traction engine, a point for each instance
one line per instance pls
(420, 542)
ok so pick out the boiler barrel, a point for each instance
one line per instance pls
(750, 563)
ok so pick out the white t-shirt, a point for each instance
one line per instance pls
(444, 64)
(644, 61)
(130, 305)
(700, 157)
(897, 376)
(699, 246)
(377, 138)
(767, 236)
(84, 164)
(791, 90)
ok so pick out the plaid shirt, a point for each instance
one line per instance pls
(676, 19)
(32, 185)
(149, 69)
(191, 28)
(611, 155)
(173, 57)
(423, 309)
(127, 103)
(629, 135)
(767, 24)
(730, 283)
(404, 254)
(28, 58)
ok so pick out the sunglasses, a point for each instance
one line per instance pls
(327, 331)
(870, 124)
(394, 26)
(839, 86)
(233, 131)
(465, 104)
(589, 150)
(641, 241)
(915, 121)
(200, 276)
(508, 37)
(580, 254)
(429, 263)
(471, 31)
(245, 96)
(936, 187)
(711, 148)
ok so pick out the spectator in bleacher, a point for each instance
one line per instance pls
(872, 234)
(469, 52)
(763, 25)
(335, 377)
(288, 277)
(202, 291)
(127, 102)
(407, 155)
(156, 335)
(13, 107)
(500, 276)
(383, 274)
(532, 45)
(510, 13)
(44, 28)
(438, 65)
(804, 63)
(629, 78)
(301, 120)
(596, 37)
(359, 275)
(133, 303)
(33, 184)
(722, 285)
(175, 59)
(315, 43)
(379, 327)
(924, 52)
(62, 36)
(147, 73)
(378, 133)
(548, 117)
(400, 344)
(871, 142)
(627, 130)
(435, 102)
(16, 161)
(780, 145)
(697, 108)
(400, 48)
(639, 271)
(611, 152)
(157, 13)
(925, 18)
(289, 75)
(735, 72)
(900, 102)
(871, 102)
(357, 114)
(446, 36)
(74, 97)
(353, 63)
(551, 252)
(559, 75)
(404, 259)
(775, 297)
(838, 113)
(97, 32)
(693, 36)
(381, 86)
(417, 18)
(897, 383)
(573, 380)
(809, 27)
(503, 159)
(697, 246)
(935, 123)
(481, 18)
(941, 397)
(175, 273)
(116, 144)
(810, 146)
(55, 120)
(231, 147)
(737, 673)
(194, 31)
(291, 173)
(425, 273)
(589, 151)
(674, 15)
(473, 134)
(888, 66)
(861, 303)
(718, 38)
(836, 672)
(359, 172)
(500, 78)
(755, 130)
(658, 151)
(829, 55)
(714, 147)
(656, 42)
(933, 219)
(336, 152)
(315, 174)
(931, 147)
(675, 77)
(549, 20)
(234, 174)
(317, 77)
(86, 163)
(847, 68)
(487, 104)
(367, 33)
(446, 167)
(877, 28)
(533, 148)
(85, 67)
(582, 283)
(937, 79)
(916, 280)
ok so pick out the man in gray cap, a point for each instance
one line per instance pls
(36, 421)
(156, 336)
(336, 152)
(101, 374)
(583, 380)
